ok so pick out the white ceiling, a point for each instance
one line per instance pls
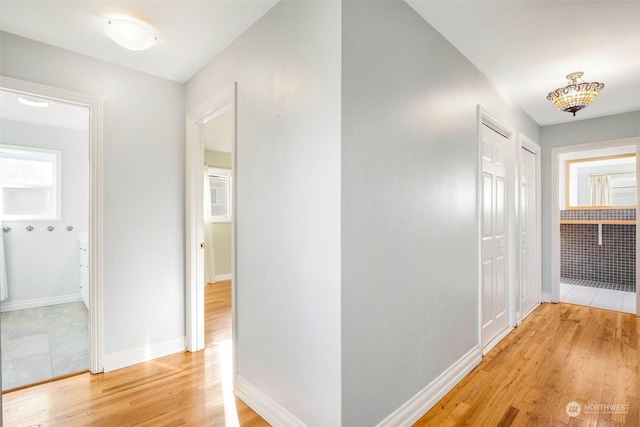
(190, 33)
(217, 133)
(525, 47)
(55, 114)
(528, 47)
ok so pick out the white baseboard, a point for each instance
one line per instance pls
(122, 359)
(268, 409)
(39, 302)
(418, 405)
(530, 311)
(496, 340)
(220, 277)
(546, 297)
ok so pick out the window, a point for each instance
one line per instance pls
(219, 183)
(30, 183)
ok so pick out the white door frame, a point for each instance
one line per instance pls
(535, 148)
(194, 211)
(95, 200)
(555, 208)
(485, 118)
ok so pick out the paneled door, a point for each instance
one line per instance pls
(494, 228)
(529, 271)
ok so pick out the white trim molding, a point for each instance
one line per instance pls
(496, 340)
(39, 302)
(262, 404)
(194, 214)
(531, 310)
(221, 277)
(418, 405)
(124, 358)
(95, 200)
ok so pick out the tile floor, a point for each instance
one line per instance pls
(598, 298)
(598, 284)
(43, 343)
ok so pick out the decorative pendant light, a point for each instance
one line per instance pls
(575, 96)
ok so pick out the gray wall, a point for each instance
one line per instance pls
(143, 250)
(409, 222)
(578, 132)
(287, 67)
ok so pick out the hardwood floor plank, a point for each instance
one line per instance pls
(561, 353)
(177, 390)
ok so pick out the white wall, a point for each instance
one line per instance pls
(287, 67)
(43, 266)
(143, 249)
(409, 221)
(578, 132)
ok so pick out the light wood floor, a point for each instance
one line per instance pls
(178, 390)
(561, 353)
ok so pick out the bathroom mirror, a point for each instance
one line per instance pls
(607, 182)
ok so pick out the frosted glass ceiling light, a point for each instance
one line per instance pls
(131, 35)
(32, 103)
(575, 96)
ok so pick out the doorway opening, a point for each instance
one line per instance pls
(210, 208)
(594, 233)
(51, 212)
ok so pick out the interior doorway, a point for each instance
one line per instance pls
(51, 213)
(210, 212)
(217, 136)
(594, 232)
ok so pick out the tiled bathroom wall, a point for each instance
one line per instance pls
(583, 258)
(595, 214)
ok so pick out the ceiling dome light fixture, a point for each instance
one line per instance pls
(575, 96)
(130, 34)
(31, 102)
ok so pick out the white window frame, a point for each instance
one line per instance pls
(211, 171)
(56, 186)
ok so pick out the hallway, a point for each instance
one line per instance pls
(561, 354)
(190, 389)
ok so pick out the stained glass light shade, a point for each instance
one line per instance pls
(575, 96)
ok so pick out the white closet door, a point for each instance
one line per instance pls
(529, 272)
(495, 318)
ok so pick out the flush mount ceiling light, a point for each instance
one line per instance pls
(575, 96)
(130, 34)
(31, 102)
